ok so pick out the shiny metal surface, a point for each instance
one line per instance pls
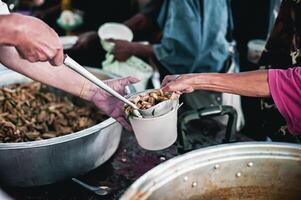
(47, 161)
(248, 170)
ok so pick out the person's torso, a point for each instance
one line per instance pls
(211, 49)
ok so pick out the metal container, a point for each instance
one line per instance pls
(47, 161)
(248, 170)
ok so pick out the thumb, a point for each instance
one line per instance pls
(129, 80)
(58, 58)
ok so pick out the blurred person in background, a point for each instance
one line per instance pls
(250, 25)
(94, 16)
(282, 51)
(193, 36)
(190, 41)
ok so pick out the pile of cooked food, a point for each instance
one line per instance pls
(34, 111)
(149, 99)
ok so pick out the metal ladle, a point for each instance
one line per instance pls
(69, 62)
(158, 109)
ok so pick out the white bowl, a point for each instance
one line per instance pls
(112, 30)
(255, 49)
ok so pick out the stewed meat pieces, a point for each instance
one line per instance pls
(150, 99)
(32, 112)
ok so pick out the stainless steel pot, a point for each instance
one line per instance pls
(47, 161)
(249, 170)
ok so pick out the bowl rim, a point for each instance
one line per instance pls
(60, 139)
(207, 156)
(101, 29)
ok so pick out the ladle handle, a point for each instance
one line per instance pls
(85, 73)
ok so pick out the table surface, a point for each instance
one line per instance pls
(127, 165)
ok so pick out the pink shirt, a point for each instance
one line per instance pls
(285, 88)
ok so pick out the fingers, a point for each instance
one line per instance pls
(131, 80)
(168, 88)
(58, 59)
(169, 78)
(122, 82)
(177, 87)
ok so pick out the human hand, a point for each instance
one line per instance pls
(34, 40)
(111, 105)
(178, 83)
(122, 50)
(85, 40)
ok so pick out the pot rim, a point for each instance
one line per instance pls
(61, 139)
(179, 165)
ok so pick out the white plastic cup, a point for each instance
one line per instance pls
(255, 49)
(156, 133)
(112, 30)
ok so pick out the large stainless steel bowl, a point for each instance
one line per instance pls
(47, 161)
(250, 170)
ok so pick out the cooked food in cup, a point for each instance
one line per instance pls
(148, 100)
(32, 112)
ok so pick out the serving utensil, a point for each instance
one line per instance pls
(72, 64)
(99, 190)
(158, 109)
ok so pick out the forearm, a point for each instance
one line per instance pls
(8, 32)
(253, 84)
(143, 50)
(60, 77)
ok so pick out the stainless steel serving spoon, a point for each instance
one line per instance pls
(157, 110)
(99, 190)
(69, 62)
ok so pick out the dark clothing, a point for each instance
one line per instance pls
(284, 44)
(96, 14)
(281, 52)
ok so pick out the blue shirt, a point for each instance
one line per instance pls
(194, 36)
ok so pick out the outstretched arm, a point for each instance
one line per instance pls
(65, 79)
(253, 84)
